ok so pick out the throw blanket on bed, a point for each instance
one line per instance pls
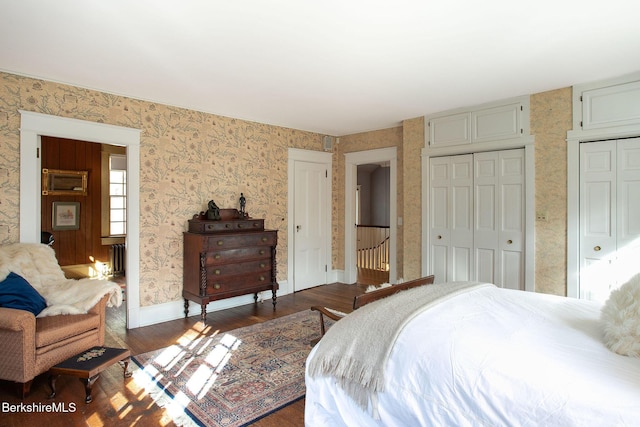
(355, 349)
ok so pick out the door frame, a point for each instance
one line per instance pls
(308, 156)
(352, 160)
(32, 127)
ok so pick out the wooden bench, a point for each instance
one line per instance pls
(367, 297)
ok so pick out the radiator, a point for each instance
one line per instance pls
(118, 259)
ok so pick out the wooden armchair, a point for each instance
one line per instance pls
(367, 297)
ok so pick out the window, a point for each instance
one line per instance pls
(117, 195)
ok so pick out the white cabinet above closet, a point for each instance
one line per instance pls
(498, 121)
(602, 105)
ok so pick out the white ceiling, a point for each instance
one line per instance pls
(334, 67)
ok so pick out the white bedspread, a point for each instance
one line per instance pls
(495, 357)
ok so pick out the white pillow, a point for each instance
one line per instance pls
(621, 318)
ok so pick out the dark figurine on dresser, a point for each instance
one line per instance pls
(214, 211)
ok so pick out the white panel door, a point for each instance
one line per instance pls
(597, 219)
(499, 218)
(512, 219)
(310, 259)
(609, 215)
(628, 209)
(462, 218)
(439, 170)
(451, 206)
(486, 187)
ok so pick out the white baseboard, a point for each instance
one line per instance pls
(150, 315)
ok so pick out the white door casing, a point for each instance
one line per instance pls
(352, 160)
(309, 206)
(32, 126)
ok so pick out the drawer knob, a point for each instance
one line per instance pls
(217, 271)
(227, 225)
(262, 278)
(263, 265)
(217, 256)
(216, 286)
(220, 242)
(264, 239)
(239, 225)
(261, 251)
(256, 225)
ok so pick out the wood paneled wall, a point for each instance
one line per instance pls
(75, 247)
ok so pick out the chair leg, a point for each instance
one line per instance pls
(23, 389)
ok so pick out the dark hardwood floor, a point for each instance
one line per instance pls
(119, 402)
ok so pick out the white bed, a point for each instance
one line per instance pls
(492, 356)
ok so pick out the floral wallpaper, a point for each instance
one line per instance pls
(551, 118)
(187, 158)
(190, 157)
(413, 136)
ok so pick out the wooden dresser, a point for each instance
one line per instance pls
(226, 258)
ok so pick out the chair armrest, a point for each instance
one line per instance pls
(18, 338)
(100, 308)
(16, 320)
(330, 313)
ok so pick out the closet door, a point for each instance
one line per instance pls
(499, 187)
(597, 218)
(609, 215)
(628, 209)
(451, 205)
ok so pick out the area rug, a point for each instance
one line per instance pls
(231, 378)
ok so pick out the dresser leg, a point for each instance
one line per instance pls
(255, 298)
(186, 308)
(203, 314)
(274, 298)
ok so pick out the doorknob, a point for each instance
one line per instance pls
(297, 228)
(597, 248)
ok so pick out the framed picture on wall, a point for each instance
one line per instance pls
(66, 215)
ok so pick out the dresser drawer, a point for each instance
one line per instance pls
(237, 255)
(232, 269)
(220, 226)
(236, 283)
(224, 241)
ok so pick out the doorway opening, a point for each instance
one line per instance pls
(387, 158)
(372, 223)
(32, 127)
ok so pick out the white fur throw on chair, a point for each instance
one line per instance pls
(38, 265)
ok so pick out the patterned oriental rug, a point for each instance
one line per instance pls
(231, 378)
